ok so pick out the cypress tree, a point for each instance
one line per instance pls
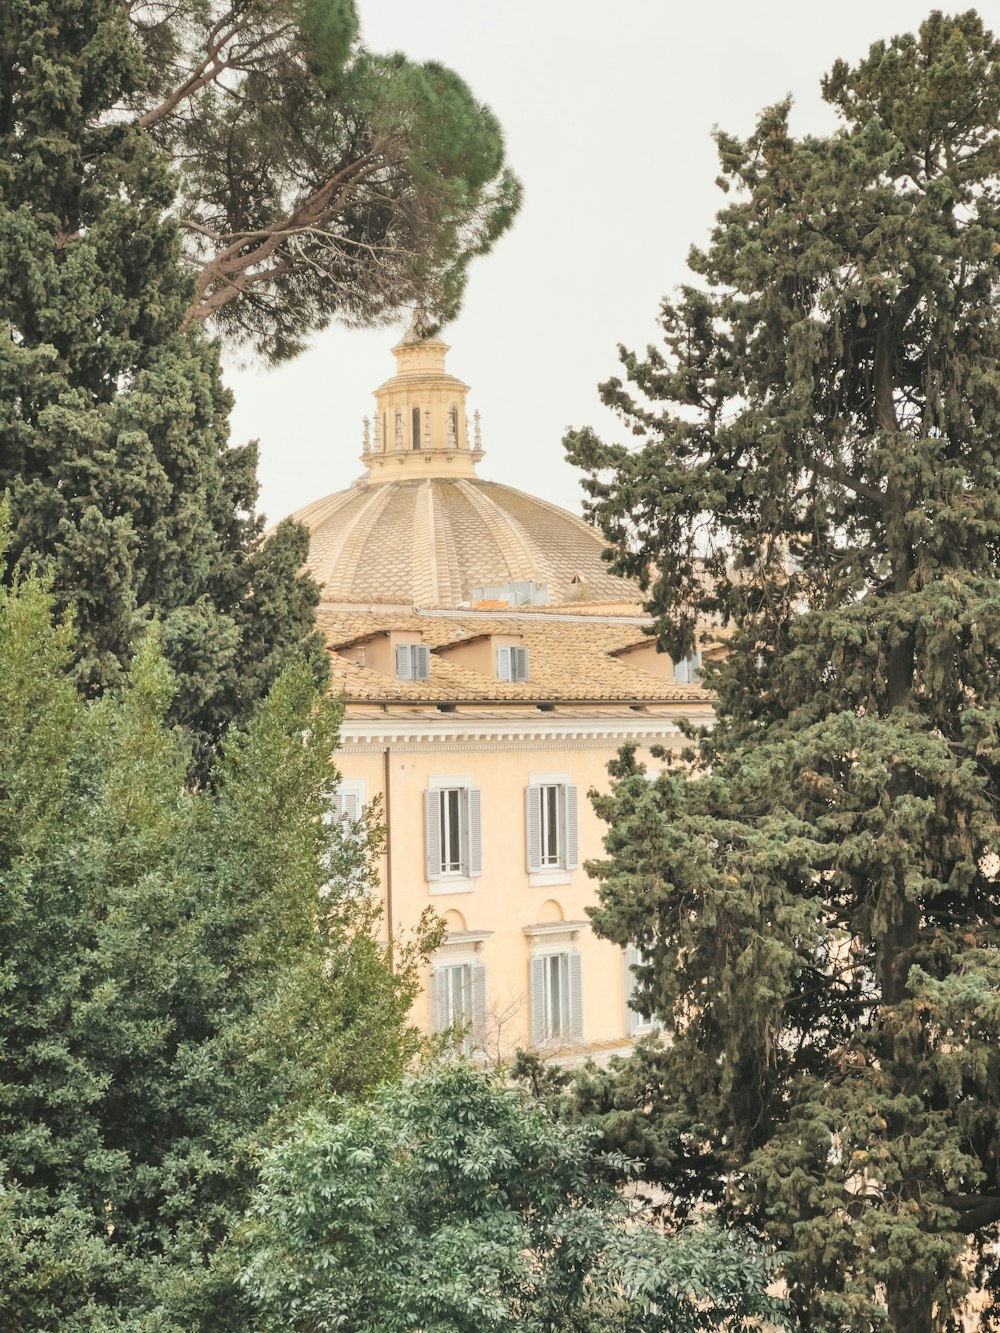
(113, 422)
(818, 898)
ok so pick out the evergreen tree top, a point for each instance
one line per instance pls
(826, 394)
(817, 897)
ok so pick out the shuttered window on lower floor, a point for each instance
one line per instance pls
(458, 1002)
(556, 998)
(637, 1022)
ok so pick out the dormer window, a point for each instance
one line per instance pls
(413, 661)
(512, 664)
(688, 671)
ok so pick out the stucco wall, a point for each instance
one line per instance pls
(505, 898)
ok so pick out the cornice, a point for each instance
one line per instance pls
(458, 733)
(555, 932)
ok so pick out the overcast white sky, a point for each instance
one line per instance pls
(608, 111)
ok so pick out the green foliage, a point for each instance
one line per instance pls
(452, 1204)
(113, 423)
(183, 973)
(819, 903)
(317, 179)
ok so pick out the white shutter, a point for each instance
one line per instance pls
(404, 662)
(518, 664)
(688, 670)
(345, 803)
(570, 827)
(421, 661)
(503, 664)
(538, 1033)
(479, 1033)
(437, 1006)
(633, 1019)
(432, 833)
(575, 998)
(533, 827)
(474, 832)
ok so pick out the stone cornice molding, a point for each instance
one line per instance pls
(464, 941)
(554, 932)
(361, 735)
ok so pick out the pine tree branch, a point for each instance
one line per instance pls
(849, 482)
(978, 1210)
(230, 273)
(214, 62)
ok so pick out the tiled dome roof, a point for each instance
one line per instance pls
(421, 529)
(433, 541)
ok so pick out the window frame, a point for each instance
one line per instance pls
(453, 830)
(470, 1018)
(418, 661)
(689, 668)
(466, 820)
(512, 663)
(635, 1023)
(540, 827)
(556, 959)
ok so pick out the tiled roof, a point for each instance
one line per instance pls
(431, 542)
(569, 659)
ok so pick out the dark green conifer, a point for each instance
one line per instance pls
(245, 163)
(819, 473)
(113, 423)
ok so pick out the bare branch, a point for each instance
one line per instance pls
(244, 262)
(215, 61)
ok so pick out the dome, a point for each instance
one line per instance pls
(441, 542)
(422, 529)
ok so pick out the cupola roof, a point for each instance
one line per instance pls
(422, 529)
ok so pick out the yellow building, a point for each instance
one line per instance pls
(491, 666)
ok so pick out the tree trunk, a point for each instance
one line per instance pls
(910, 1304)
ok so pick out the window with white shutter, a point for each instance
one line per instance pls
(346, 802)
(346, 807)
(512, 664)
(556, 998)
(413, 661)
(474, 832)
(688, 671)
(551, 826)
(453, 833)
(571, 828)
(457, 994)
(635, 1022)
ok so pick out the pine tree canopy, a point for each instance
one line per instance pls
(182, 974)
(818, 477)
(160, 165)
(316, 179)
(113, 419)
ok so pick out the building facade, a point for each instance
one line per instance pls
(491, 667)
